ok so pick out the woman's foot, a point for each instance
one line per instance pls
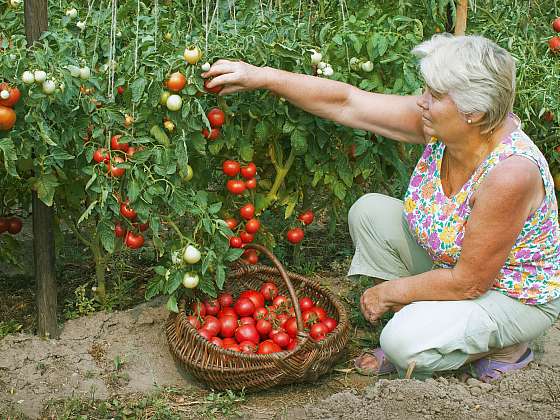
(373, 363)
(492, 367)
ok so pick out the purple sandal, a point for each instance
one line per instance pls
(385, 367)
(488, 370)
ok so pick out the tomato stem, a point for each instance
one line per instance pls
(281, 172)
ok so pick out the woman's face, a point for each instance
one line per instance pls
(440, 116)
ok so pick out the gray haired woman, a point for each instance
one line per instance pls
(469, 261)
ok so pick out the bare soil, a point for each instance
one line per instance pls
(125, 353)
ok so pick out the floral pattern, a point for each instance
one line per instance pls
(531, 272)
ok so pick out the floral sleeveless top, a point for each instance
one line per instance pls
(532, 270)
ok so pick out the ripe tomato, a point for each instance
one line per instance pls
(295, 236)
(215, 89)
(291, 327)
(212, 324)
(205, 333)
(548, 116)
(247, 320)
(554, 44)
(261, 313)
(212, 307)
(230, 167)
(247, 211)
(4, 224)
(176, 82)
(235, 348)
(225, 300)
(252, 226)
(127, 211)
(194, 321)
(228, 310)
(318, 331)
(251, 184)
(115, 145)
(282, 339)
(330, 323)
(113, 170)
(244, 306)
(309, 317)
(235, 186)
(232, 223)
(248, 347)
(268, 347)
(556, 24)
(269, 291)
(281, 301)
(249, 171)
(235, 242)
(292, 344)
(8, 120)
(120, 232)
(251, 256)
(11, 100)
(143, 227)
(120, 90)
(101, 155)
(217, 341)
(256, 297)
(134, 241)
(320, 312)
(247, 238)
(14, 225)
(306, 303)
(264, 327)
(247, 333)
(228, 326)
(216, 117)
(211, 135)
(198, 309)
(228, 342)
(306, 217)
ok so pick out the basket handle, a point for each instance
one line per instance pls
(286, 278)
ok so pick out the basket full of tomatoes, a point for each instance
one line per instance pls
(260, 334)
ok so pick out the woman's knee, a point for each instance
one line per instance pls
(366, 208)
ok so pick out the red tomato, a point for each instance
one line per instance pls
(13, 99)
(247, 333)
(282, 339)
(113, 170)
(261, 313)
(246, 320)
(247, 238)
(548, 116)
(554, 44)
(194, 321)
(232, 223)
(215, 89)
(235, 242)
(176, 82)
(235, 348)
(4, 224)
(269, 290)
(225, 300)
(230, 167)
(256, 297)
(251, 256)
(211, 135)
(295, 236)
(101, 155)
(8, 119)
(309, 317)
(143, 227)
(217, 341)
(14, 225)
(283, 319)
(252, 226)
(320, 312)
(228, 326)
(306, 217)
(134, 241)
(127, 211)
(235, 186)
(119, 230)
(228, 342)
(330, 323)
(306, 303)
(268, 347)
(115, 145)
(212, 324)
(216, 117)
(212, 307)
(120, 90)
(248, 347)
(291, 327)
(198, 309)
(264, 327)
(227, 311)
(205, 333)
(251, 184)
(281, 300)
(244, 307)
(556, 24)
(292, 344)
(318, 331)
(249, 171)
(247, 211)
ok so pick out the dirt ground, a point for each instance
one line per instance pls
(125, 353)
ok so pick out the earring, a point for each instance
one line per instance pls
(469, 121)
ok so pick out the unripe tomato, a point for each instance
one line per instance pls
(113, 170)
(295, 236)
(232, 223)
(247, 211)
(252, 226)
(120, 231)
(115, 145)
(249, 171)
(85, 73)
(205, 67)
(306, 217)
(188, 173)
(190, 281)
(211, 135)
(8, 120)
(192, 55)
(27, 77)
(191, 255)
(164, 97)
(48, 87)
(367, 66)
(215, 89)
(251, 184)
(40, 76)
(230, 167)
(174, 103)
(14, 225)
(316, 57)
(235, 186)
(216, 117)
(246, 237)
(134, 241)
(176, 82)
(127, 212)
(235, 242)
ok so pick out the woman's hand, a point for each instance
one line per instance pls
(235, 76)
(374, 305)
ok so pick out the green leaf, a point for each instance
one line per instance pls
(45, 186)
(215, 208)
(220, 276)
(179, 202)
(339, 190)
(137, 88)
(299, 142)
(171, 304)
(233, 254)
(107, 236)
(160, 135)
(246, 149)
(154, 287)
(174, 282)
(85, 215)
(9, 151)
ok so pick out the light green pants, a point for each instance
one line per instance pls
(437, 335)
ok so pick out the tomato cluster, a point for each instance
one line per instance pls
(133, 239)
(296, 235)
(258, 321)
(9, 97)
(11, 225)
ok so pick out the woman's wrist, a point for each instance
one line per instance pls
(265, 76)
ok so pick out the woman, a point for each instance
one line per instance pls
(473, 253)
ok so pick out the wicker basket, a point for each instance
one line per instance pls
(225, 369)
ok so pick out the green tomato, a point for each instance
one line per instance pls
(190, 280)
(191, 255)
(188, 173)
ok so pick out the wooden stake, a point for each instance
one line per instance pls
(461, 22)
(410, 369)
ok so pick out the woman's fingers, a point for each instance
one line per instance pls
(221, 67)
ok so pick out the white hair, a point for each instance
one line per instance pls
(477, 74)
